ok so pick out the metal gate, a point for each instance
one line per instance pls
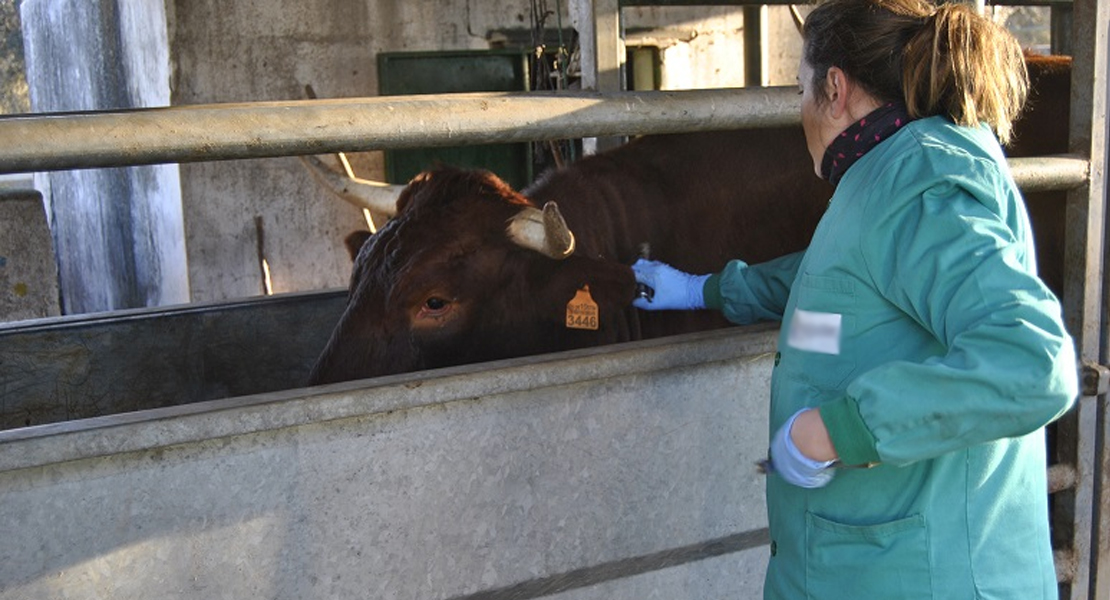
(1078, 479)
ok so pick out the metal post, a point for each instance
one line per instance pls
(603, 72)
(1091, 84)
(1078, 513)
(609, 45)
(1060, 24)
(753, 45)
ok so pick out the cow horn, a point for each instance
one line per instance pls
(544, 231)
(799, 20)
(373, 195)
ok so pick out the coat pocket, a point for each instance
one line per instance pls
(820, 330)
(887, 560)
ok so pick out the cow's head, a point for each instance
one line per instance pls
(468, 270)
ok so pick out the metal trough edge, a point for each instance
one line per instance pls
(158, 428)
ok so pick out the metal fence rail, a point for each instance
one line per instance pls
(62, 141)
(265, 129)
(49, 142)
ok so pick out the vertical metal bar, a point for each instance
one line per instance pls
(1091, 19)
(609, 45)
(1100, 559)
(609, 56)
(1060, 17)
(581, 13)
(601, 51)
(753, 45)
(1076, 514)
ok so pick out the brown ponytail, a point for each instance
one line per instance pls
(944, 60)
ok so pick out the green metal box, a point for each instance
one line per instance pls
(457, 71)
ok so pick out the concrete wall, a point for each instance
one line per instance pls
(124, 236)
(270, 49)
(28, 273)
(626, 472)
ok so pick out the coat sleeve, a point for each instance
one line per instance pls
(747, 294)
(964, 273)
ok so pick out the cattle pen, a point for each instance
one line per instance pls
(573, 475)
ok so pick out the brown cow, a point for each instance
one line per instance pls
(445, 283)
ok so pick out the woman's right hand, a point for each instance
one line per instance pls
(670, 289)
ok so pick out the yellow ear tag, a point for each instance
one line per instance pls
(582, 311)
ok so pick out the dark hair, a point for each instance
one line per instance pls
(945, 60)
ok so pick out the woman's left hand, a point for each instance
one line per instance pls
(802, 452)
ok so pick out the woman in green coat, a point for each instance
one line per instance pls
(920, 357)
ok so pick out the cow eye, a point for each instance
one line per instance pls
(434, 311)
(435, 304)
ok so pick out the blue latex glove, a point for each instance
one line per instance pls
(670, 289)
(792, 465)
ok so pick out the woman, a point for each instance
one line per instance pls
(920, 357)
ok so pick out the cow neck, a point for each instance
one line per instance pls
(860, 137)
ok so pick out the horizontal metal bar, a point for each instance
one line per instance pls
(597, 574)
(1061, 477)
(1065, 565)
(1095, 379)
(624, 3)
(800, 2)
(1046, 173)
(61, 141)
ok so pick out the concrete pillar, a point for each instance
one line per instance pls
(118, 233)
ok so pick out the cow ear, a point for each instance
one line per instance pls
(354, 242)
(612, 284)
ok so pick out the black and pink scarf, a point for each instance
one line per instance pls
(861, 137)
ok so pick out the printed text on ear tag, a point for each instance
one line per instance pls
(582, 311)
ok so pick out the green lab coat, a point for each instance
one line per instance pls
(915, 321)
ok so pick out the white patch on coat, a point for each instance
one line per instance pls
(815, 331)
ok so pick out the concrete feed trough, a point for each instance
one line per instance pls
(626, 471)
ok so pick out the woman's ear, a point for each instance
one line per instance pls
(837, 91)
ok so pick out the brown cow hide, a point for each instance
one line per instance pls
(441, 284)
